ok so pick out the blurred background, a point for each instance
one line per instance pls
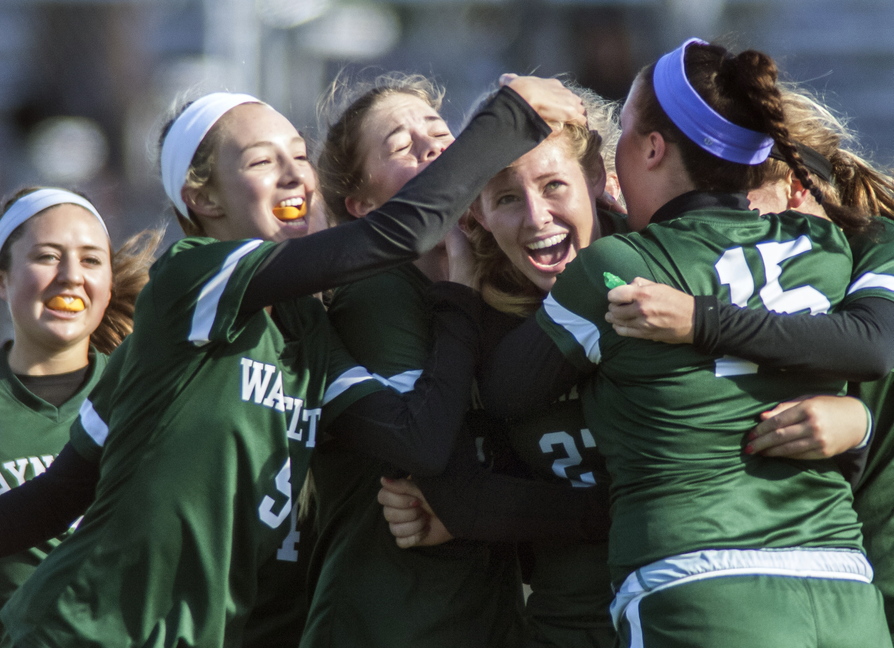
(84, 84)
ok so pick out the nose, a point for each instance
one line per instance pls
(69, 271)
(432, 147)
(537, 214)
(294, 173)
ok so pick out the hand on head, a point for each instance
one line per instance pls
(555, 103)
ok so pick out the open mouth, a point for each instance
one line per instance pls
(550, 252)
(66, 304)
(291, 209)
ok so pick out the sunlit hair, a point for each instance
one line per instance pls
(856, 183)
(742, 88)
(502, 285)
(130, 272)
(341, 114)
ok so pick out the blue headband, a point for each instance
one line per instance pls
(698, 121)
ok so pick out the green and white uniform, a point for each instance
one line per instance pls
(365, 590)
(570, 583)
(874, 276)
(33, 433)
(207, 432)
(688, 504)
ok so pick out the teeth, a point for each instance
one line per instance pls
(547, 242)
(292, 202)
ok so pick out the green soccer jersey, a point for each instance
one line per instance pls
(34, 432)
(570, 583)
(873, 275)
(206, 433)
(671, 421)
(365, 590)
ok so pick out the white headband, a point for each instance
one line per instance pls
(187, 132)
(35, 202)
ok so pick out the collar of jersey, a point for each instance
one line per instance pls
(698, 200)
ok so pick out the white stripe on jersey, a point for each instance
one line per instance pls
(584, 331)
(872, 280)
(344, 382)
(792, 562)
(402, 382)
(92, 424)
(209, 297)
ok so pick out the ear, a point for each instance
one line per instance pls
(796, 194)
(202, 201)
(654, 149)
(358, 207)
(476, 213)
(597, 177)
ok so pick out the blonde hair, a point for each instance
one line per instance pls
(341, 113)
(856, 183)
(502, 285)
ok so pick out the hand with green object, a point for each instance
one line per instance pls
(613, 281)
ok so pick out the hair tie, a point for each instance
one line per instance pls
(185, 136)
(703, 125)
(35, 202)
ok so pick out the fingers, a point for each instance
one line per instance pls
(400, 487)
(555, 103)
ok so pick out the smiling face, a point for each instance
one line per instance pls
(541, 210)
(59, 281)
(401, 135)
(260, 164)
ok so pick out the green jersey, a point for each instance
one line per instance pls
(206, 432)
(365, 590)
(671, 421)
(34, 432)
(873, 275)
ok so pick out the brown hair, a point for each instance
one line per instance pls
(130, 272)
(345, 107)
(502, 285)
(742, 88)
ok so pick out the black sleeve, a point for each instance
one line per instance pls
(477, 504)
(46, 506)
(412, 222)
(416, 431)
(524, 372)
(856, 343)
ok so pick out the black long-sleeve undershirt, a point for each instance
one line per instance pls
(478, 504)
(856, 343)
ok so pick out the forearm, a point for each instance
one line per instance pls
(416, 431)
(477, 504)
(46, 506)
(855, 344)
(524, 372)
(412, 222)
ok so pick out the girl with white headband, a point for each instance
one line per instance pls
(207, 426)
(71, 302)
(709, 545)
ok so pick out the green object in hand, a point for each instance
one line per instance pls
(613, 281)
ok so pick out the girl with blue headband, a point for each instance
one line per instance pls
(856, 342)
(232, 374)
(709, 545)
